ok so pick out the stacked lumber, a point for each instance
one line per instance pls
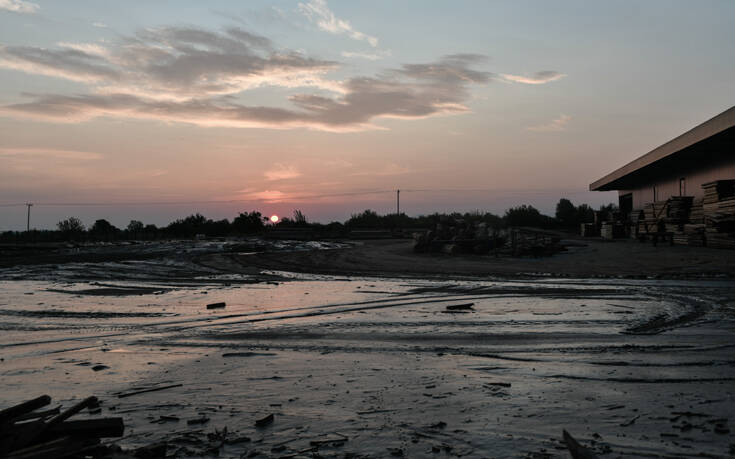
(27, 433)
(530, 242)
(652, 213)
(696, 212)
(454, 236)
(678, 208)
(719, 213)
(706, 221)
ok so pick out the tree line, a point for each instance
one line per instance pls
(567, 216)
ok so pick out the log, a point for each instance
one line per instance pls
(86, 403)
(99, 428)
(220, 305)
(33, 430)
(60, 447)
(8, 414)
(38, 414)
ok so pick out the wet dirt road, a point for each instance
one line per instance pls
(375, 366)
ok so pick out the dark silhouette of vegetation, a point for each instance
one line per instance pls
(527, 216)
(102, 230)
(567, 216)
(246, 223)
(298, 221)
(71, 228)
(570, 216)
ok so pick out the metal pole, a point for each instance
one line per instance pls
(398, 202)
(28, 218)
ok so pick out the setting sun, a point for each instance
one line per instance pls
(274, 218)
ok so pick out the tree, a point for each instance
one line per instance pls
(251, 222)
(102, 226)
(526, 216)
(566, 213)
(609, 208)
(102, 229)
(299, 218)
(189, 226)
(367, 219)
(135, 226)
(71, 227)
(585, 214)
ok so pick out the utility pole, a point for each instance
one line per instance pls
(398, 202)
(28, 219)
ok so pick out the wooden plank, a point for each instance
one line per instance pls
(99, 428)
(23, 408)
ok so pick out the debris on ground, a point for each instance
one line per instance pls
(26, 433)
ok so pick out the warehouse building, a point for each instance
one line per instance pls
(689, 180)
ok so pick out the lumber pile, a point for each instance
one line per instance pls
(27, 432)
(719, 214)
(455, 236)
(706, 221)
(612, 230)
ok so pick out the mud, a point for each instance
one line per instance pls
(373, 366)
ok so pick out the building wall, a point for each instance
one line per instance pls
(667, 182)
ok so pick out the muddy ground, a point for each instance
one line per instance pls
(583, 257)
(361, 362)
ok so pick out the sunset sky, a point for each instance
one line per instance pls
(156, 110)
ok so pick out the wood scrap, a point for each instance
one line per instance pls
(26, 434)
(460, 307)
(151, 389)
(575, 449)
(24, 408)
(262, 422)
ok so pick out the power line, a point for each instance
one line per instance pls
(292, 198)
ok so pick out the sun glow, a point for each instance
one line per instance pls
(274, 218)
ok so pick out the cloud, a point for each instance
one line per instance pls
(318, 12)
(557, 125)
(266, 195)
(371, 56)
(68, 63)
(174, 63)
(19, 6)
(201, 77)
(48, 153)
(281, 172)
(545, 76)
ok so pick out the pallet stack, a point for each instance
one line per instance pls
(719, 213)
(696, 213)
(652, 213)
(706, 221)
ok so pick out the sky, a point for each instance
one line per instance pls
(154, 110)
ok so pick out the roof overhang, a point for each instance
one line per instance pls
(681, 145)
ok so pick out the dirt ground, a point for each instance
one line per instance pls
(383, 352)
(583, 258)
